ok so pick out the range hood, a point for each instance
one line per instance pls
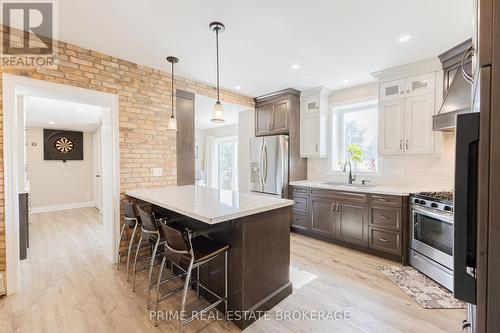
(457, 100)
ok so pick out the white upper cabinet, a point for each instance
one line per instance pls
(313, 122)
(406, 107)
(419, 137)
(391, 126)
(392, 90)
(420, 85)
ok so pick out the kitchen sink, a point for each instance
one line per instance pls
(349, 185)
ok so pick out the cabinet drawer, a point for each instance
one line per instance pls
(386, 241)
(299, 189)
(299, 221)
(350, 196)
(386, 218)
(300, 204)
(392, 200)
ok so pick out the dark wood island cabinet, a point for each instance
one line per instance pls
(374, 223)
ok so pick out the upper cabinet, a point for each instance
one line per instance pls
(272, 114)
(407, 104)
(313, 122)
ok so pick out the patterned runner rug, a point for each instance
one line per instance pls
(423, 290)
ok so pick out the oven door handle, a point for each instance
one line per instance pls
(446, 218)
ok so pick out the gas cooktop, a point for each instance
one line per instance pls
(441, 196)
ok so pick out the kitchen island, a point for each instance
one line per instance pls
(257, 229)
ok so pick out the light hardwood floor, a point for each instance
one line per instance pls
(68, 286)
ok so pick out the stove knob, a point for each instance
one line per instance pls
(422, 202)
(434, 205)
(447, 208)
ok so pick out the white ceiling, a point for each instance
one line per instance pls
(58, 114)
(331, 40)
(203, 107)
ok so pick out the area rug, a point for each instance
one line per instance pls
(421, 289)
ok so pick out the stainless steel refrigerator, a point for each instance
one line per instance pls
(269, 165)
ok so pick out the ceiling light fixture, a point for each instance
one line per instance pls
(237, 87)
(295, 66)
(172, 122)
(79, 110)
(51, 122)
(218, 112)
(404, 38)
(345, 81)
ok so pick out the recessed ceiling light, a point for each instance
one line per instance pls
(51, 122)
(237, 87)
(345, 81)
(404, 38)
(79, 109)
(295, 66)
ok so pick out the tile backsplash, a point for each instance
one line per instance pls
(433, 172)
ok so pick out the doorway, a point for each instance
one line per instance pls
(14, 87)
(227, 148)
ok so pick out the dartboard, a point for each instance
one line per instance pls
(63, 145)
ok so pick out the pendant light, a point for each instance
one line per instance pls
(172, 122)
(218, 113)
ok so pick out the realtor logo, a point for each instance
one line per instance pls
(28, 29)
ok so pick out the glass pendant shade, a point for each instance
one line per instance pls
(218, 113)
(172, 124)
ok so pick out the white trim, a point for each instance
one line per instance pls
(414, 68)
(53, 208)
(13, 85)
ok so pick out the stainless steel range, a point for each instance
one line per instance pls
(431, 245)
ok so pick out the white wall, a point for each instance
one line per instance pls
(246, 131)
(54, 183)
(434, 171)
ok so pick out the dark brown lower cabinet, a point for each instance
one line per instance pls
(352, 223)
(322, 216)
(373, 223)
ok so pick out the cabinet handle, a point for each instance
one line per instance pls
(338, 207)
(385, 217)
(406, 144)
(382, 199)
(408, 91)
(317, 147)
(400, 144)
(382, 239)
(402, 92)
(332, 207)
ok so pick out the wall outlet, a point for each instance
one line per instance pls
(399, 172)
(157, 172)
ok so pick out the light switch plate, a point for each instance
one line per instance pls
(157, 172)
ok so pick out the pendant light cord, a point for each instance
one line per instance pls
(172, 110)
(217, 52)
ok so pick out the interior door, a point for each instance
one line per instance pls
(392, 124)
(96, 143)
(419, 137)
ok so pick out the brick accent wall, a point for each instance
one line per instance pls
(144, 108)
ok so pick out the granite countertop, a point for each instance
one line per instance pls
(399, 190)
(209, 205)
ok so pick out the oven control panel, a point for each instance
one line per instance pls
(431, 204)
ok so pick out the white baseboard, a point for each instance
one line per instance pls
(53, 208)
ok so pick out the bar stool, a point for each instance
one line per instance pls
(129, 219)
(183, 248)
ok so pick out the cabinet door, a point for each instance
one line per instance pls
(420, 85)
(310, 134)
(352, 223)
(391, 127)
(263, 119)
(281, 111)
(321, 216)
(419, 137)
(392, 90)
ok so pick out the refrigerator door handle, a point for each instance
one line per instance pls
(265, 163)
(261, 165)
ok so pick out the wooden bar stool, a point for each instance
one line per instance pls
(180, 246)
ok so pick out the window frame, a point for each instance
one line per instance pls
(349, 106)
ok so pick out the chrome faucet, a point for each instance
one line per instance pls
(344, 169)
